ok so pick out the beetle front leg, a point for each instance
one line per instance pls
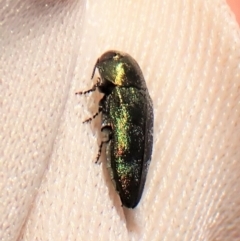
(95, 86)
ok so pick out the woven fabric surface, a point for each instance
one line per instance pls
(50, 188)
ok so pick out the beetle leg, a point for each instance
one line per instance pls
(91, 118)
(99, 152)
(100, 108)
(90, 90)
(107, 133)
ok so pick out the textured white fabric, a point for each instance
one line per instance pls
(51, 189)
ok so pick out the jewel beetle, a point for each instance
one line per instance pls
(127, 123)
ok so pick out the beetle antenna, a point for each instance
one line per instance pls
(94, 69)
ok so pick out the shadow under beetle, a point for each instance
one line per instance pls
(127, 123)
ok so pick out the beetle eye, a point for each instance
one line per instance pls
(107, 56)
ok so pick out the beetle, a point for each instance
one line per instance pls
(127, 123)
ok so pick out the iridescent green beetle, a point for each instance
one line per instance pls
(127, 123)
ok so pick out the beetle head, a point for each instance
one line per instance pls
(118, 69)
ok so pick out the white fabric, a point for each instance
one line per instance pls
(50, 188)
